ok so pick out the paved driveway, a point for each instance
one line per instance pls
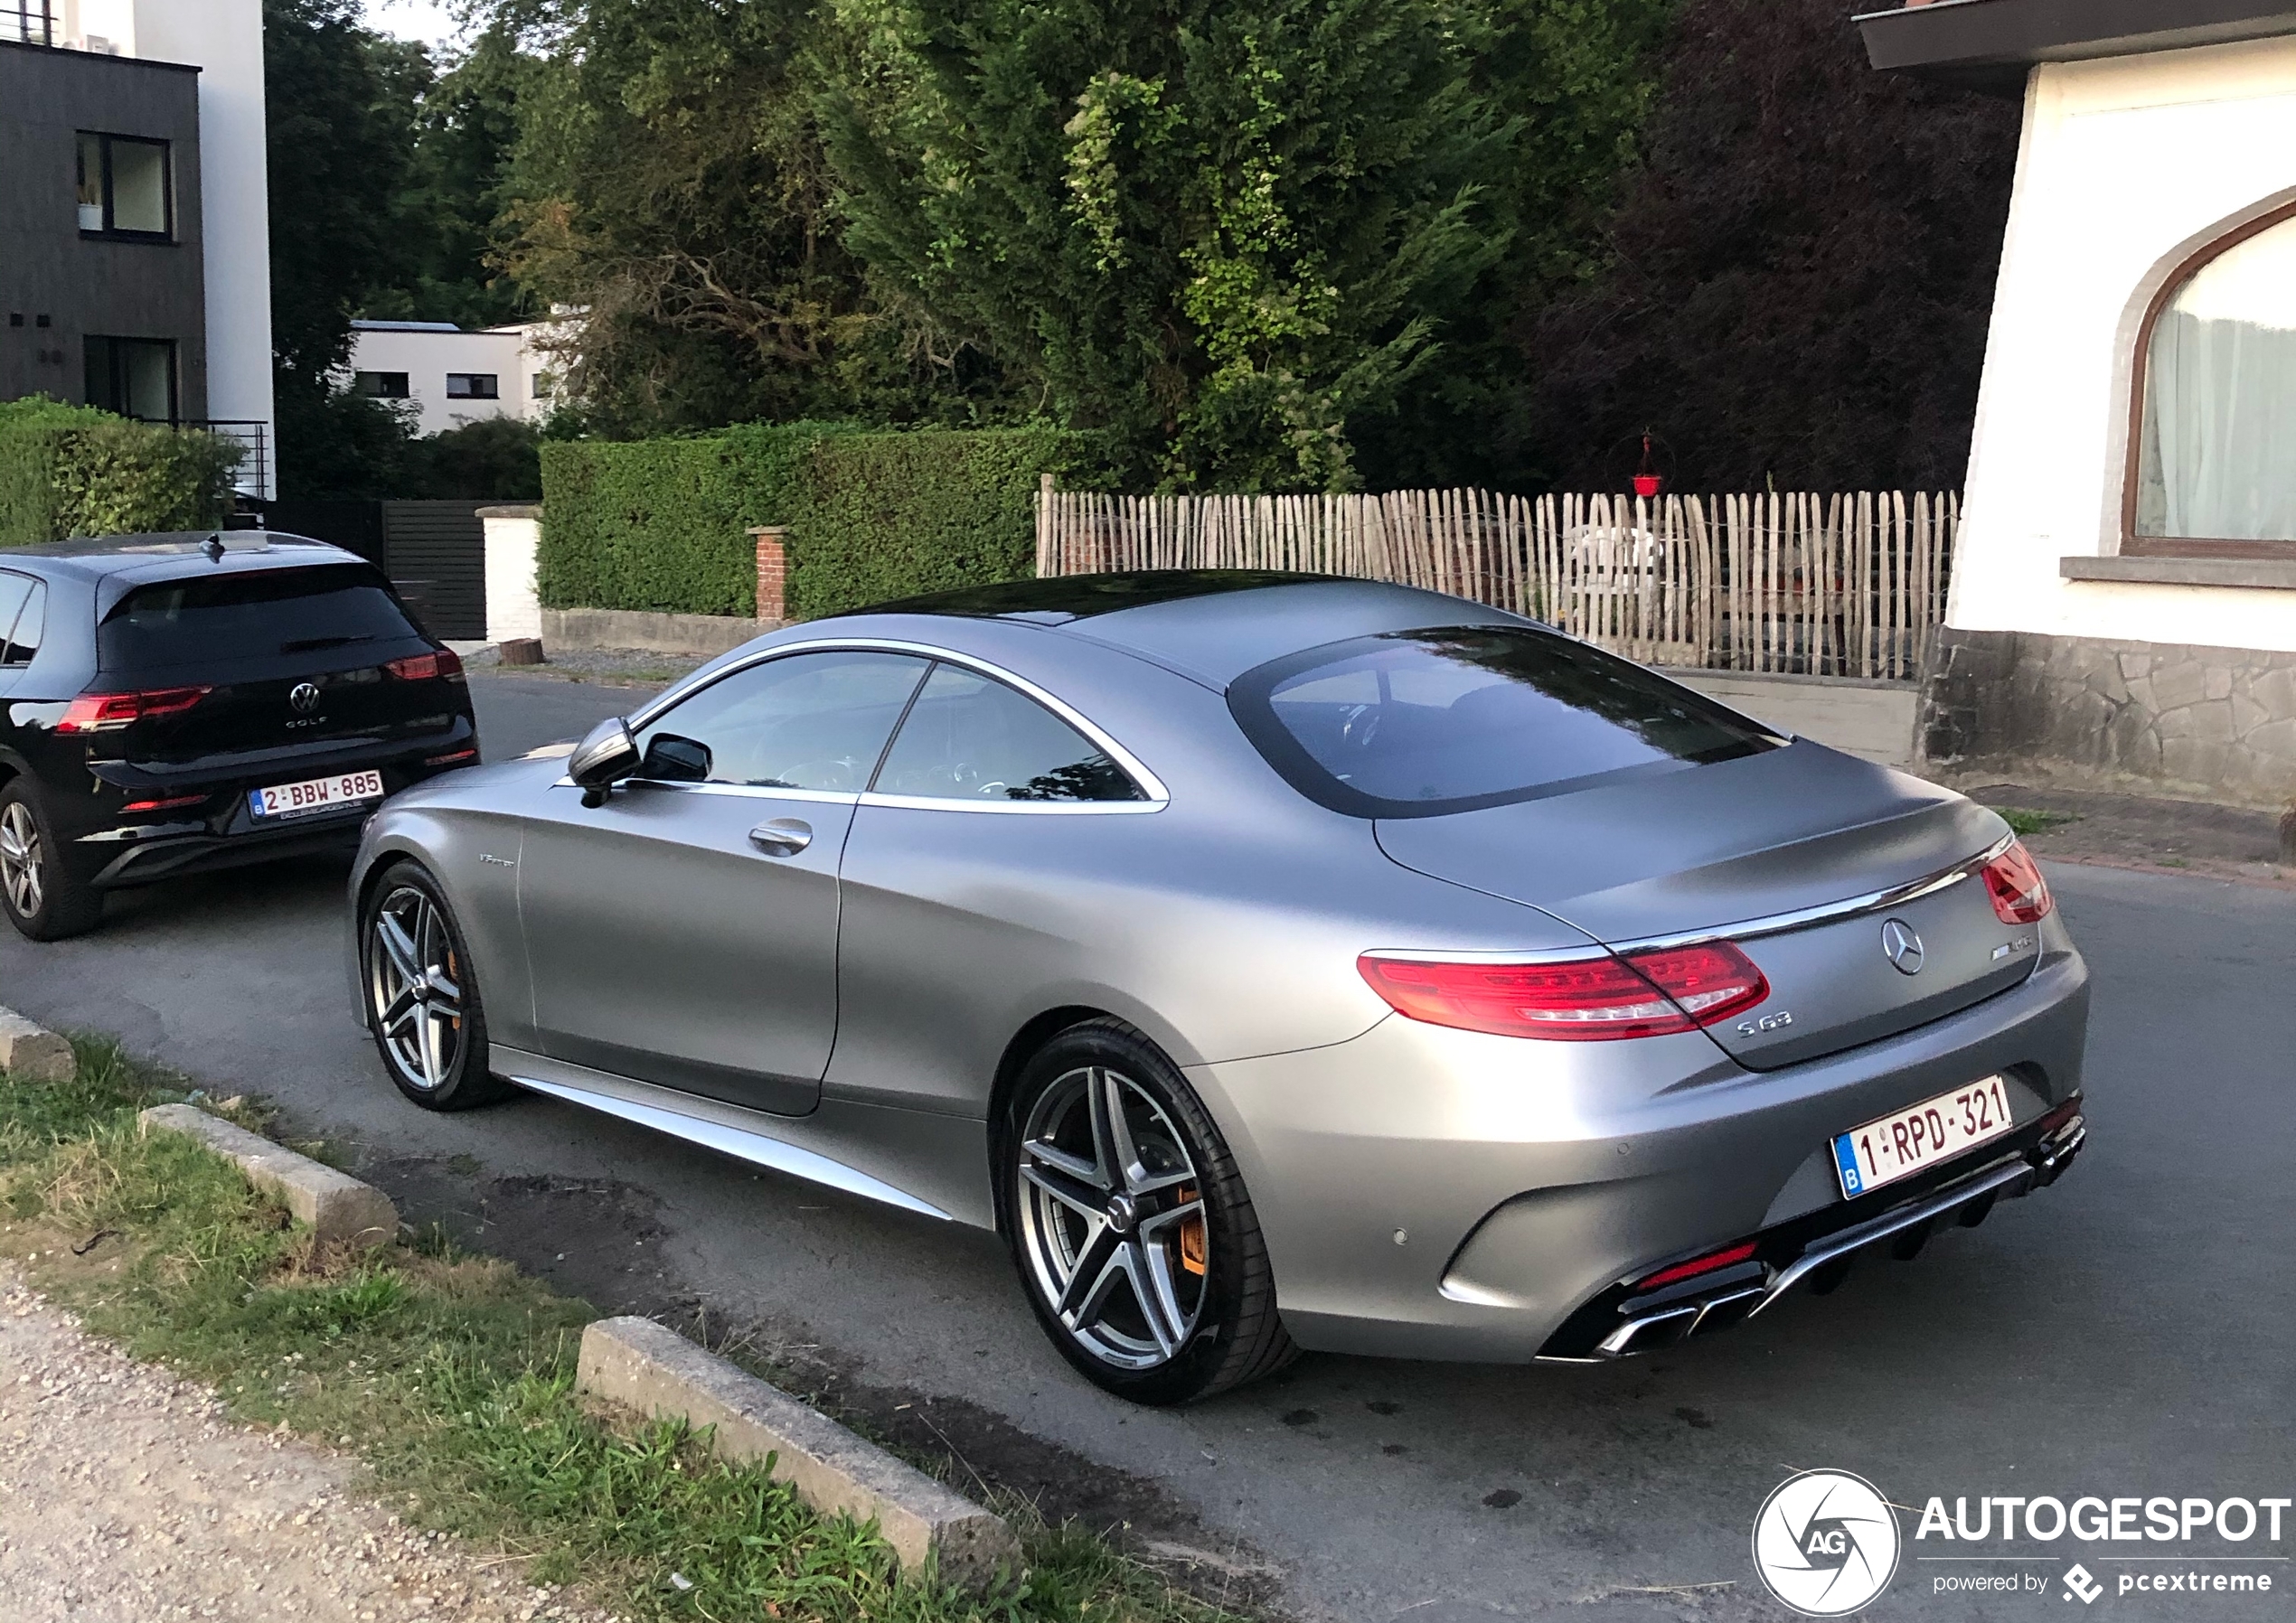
(2126, 1333)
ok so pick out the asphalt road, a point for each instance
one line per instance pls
(2126, 1333)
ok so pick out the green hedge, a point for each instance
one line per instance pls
(660, 524)
(71, 470)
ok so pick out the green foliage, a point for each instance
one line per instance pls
(1233, 233)
(72, 470)
(348, 447)
(882, 516)
(660, 524)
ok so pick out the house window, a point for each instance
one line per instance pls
(381, 386)
(2218, 416)
(123, 187)
(135, 377)
(472, 386)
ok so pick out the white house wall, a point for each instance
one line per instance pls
(224, 39)
(2127, 167)
(428, 357)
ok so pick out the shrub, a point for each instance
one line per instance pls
(71, 470)
(894, 515)
(662, 524)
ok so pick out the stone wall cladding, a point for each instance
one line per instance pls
(2210, 723)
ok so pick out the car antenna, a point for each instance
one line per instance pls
(213, 547)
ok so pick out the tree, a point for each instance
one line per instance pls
(670, 184)
(1224, 232)
(1803, 270)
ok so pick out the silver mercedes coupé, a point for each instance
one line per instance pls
(1274, 961)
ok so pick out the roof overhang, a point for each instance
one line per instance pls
(1992, 44)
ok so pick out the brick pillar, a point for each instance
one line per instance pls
(773, 572)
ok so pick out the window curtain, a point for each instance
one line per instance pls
(2219, 444)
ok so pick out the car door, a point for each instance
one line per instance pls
(992, 855)
(684, 931)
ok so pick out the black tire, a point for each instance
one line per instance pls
(1208, 1321)
(420, 993)
(44, 895)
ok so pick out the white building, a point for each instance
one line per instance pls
(88, 283)
(2123, 604)
(451, 376)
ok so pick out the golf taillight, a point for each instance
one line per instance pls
(108, 712)
(1578, 1001)
(2013, 879)
(427, 667)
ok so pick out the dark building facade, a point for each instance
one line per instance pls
(101, 281)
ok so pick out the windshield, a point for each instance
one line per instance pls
(230, 616)
(1417, 722)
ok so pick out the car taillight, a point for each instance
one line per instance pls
(108, 712)
(2013, 879)
(427, 667)
(1578, 1001)
(1728, 1257)
(171, 803)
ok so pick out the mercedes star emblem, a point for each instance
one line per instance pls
(1902, 945)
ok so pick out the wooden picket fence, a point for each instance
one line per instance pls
(1847, 584)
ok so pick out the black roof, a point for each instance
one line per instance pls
(1992, 44)
(1058, 599)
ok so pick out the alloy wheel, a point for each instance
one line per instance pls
(1112, 1218)
(414, 989)
(20, 868)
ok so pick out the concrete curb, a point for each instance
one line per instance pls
(32, 1053)
(337, 1205)
(659, 1372)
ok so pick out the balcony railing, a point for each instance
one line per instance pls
(252, 476)
(28, 22)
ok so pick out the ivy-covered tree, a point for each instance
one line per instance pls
(1224, 231)
(1801, 273)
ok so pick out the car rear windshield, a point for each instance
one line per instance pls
(238, 616)
(1419, 723)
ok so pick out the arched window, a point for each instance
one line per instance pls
(2216, 451)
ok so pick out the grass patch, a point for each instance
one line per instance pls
(2025, 823)
(452, 1375)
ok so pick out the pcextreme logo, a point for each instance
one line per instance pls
(1825, 1542)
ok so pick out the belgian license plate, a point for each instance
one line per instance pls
(1897, 1146)
(314, 795)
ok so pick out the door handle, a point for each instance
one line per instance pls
(782, 836)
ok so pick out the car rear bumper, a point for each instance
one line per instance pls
(226, 833)
(1430, 1193)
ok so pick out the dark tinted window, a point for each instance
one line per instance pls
(971, 738)
(23, 642)
(1416, 723)
(809, 721)
(227, 617)
(13, 589)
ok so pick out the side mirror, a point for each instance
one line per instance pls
(604, 756)
(671, 759)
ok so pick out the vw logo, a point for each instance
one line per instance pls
(305, 699)
(1902, 946)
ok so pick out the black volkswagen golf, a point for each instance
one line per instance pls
(174, 703)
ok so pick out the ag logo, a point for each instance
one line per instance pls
(1825, 1542)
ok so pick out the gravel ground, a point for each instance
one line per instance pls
(125, 1496)
(612, 667)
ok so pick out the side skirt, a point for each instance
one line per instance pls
(929, 1154)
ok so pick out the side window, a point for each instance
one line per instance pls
(971, 738)
(24, 641)
(13, 590)
(809, 721)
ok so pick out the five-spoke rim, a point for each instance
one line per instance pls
(20, 874)
(414, 988)
(1112, 1217)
